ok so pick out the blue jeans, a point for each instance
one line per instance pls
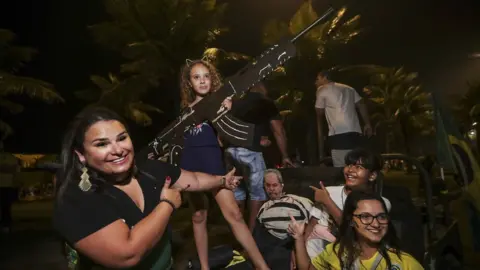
(255, 164)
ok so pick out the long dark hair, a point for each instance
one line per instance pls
(346, 241)
(71, 166)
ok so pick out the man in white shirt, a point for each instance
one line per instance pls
(337, 103)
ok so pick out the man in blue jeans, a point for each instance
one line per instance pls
(254, 107)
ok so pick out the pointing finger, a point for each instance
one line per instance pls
(321, 185)
(167, 182)
(293, 219)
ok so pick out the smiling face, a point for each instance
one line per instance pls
(107, 147)
(200, 79)
(357, 176)
(273, 187)
(374, 232)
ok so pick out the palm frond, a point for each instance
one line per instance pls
(274, 30)
(218, 55)
(10, 106)
(304, 16)
(33, 88)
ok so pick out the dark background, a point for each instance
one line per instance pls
(431, 37)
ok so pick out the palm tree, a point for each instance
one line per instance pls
(155, 37)
(12, 59)
(117, 95)
(315, 51)
(401, 106)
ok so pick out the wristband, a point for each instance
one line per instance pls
(170, 203)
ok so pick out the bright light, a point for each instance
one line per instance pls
(472, 134)
(474, 55)
(474, 124)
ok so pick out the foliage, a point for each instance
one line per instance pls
(467, 108)
(401, 106)
(12, 59)
(315, 50)
(155, 37)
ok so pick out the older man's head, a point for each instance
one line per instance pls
(273, 183)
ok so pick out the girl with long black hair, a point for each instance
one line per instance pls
(366, 239)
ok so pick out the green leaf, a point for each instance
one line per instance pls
(18, 85)
(273, 31)
(12, 107)
(304, 16)
(145, 107)
(101, 83)
(217, 56)
(475, 111)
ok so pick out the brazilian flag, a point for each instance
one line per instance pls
(455, 154)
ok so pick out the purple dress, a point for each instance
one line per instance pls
(201, 151)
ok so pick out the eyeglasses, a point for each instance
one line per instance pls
(367, 218)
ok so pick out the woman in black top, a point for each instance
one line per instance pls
(113, 213)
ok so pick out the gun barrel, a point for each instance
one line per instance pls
(321, 18)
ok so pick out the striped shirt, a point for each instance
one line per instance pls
(274, 215)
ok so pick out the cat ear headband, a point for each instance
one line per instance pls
(189, 62)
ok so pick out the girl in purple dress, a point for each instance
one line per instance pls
(202, 153)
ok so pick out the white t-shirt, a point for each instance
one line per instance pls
(339, 101)
(337, 193)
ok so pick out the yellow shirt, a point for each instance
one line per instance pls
(328, 260)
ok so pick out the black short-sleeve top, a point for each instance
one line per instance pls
(79, 214)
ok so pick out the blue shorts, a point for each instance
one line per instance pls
(255, 164)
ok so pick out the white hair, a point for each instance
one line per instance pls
(276, 172)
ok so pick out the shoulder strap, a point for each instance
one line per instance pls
(375, 264)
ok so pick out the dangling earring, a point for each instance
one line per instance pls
(85, 183)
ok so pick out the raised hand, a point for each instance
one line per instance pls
(227, 103)
(296, 229)
(171, 194)
(231, 181)
(321, 194)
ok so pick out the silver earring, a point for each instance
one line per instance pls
(85, 183)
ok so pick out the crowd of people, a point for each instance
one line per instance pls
(114, 212)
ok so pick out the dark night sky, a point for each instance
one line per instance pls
(433, 37)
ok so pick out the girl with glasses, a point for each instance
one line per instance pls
(366, 240)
